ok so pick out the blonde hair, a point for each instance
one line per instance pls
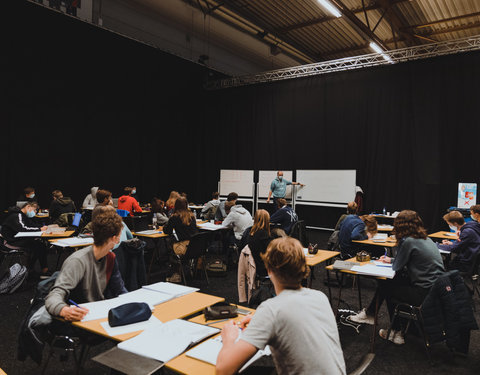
(261, 222)
(174, 195)
(285, 258)
(370, 223)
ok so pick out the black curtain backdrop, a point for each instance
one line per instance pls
(84, 107)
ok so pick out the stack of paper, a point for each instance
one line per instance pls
(373, 270)
(149, 231)
(74, 241)
(150, 297)
(380, 237)
(166, 341)
(210, 226)
(173, 290)
(29, 234)
(100, 309)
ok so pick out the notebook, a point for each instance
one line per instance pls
(76, 219)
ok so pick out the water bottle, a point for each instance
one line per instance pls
(154, 221)
(195, 213)
(384, 211)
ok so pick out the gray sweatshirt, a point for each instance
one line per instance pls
(239, 219)
(80, 272)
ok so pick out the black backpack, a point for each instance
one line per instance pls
(333, 242)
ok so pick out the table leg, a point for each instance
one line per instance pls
(154, 255)
(375, 321)
(310, 278)
(359, 292)
(340, 291)
(329, 287)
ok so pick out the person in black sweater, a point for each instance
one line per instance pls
(60, 205)
(185, 225)
(259, 238)
(20, 220)
(28, 195)
(285, 216)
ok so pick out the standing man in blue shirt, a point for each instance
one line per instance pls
(278, 188)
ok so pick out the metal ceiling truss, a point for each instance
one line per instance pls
(349, 63)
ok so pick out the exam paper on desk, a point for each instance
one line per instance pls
(171, 289)
(140, 326)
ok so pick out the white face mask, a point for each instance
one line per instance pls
(280, 178)
(453, 228)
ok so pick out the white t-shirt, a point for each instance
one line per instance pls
(300, 328)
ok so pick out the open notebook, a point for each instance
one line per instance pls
(166, 341)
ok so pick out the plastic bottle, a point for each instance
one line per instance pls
(384, 211)
(195, 213)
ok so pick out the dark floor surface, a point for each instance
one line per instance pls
(389, 359)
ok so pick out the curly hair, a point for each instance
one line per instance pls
(285, 258)
(106, 223)
(408, 224)
(370, 223)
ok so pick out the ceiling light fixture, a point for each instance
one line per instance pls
(330, 8)
(379, 50)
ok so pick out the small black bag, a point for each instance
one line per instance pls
(129, 313)
(221, 310)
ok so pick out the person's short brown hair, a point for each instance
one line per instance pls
(106, 223)
(370, 223)
(454, 217)
(352, 208)
(232, 197)
(281, 202)
(475, 209)
(102, 195)
(229, 205)
(29, 190)
(408, 224)
(285, 258)
(31, 204)
(215, 195)
(57, 194)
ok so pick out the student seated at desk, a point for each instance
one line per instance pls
(185, 225)
(418, 264)
(20, 220)
(221, 214)
(210, 208)
(104, 197)
(28, 195)
(237, 218)
(158, 210)
(468, 243)
(89, 274)
(128, 203)
(352, 209)
(60, 205)
(355, 228)
(91, 199)
(285, 215)
(259, 238)
(298, 324)
(174, 195)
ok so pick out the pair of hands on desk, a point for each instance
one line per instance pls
(385, 259)
(230, 329)
(73, 313)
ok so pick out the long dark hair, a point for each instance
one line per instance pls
(408, 224)
(158, 205)
(182, 211)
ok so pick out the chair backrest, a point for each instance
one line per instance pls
(299, 231)
(474, 269)
(197, 246)
(123, 213)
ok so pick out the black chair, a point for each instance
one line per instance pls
(299, 231)
(472, 275)
(10, 255)
(196, 250)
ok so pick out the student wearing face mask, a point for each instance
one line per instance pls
(278, 188)
(129, 203)
(28, 195)
(20, 220)
(468, 243)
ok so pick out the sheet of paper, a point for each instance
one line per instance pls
(166, 341)
(29, 234)
(380, 237)
(149, 231)
(74, 241)
(210, 226)
(171, 289)
(450, 234)
(385, 226)
(372, 270)
(99, 309)
(140, 326)
(151, 297)
(381, 264)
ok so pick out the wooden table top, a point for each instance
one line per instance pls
(65, 234)
(174, 309)
(388, 243)
(321, 256)
(186, 365)
(159, 234)
(71, 246)
(444, 235)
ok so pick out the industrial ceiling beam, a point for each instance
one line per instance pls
(396, 22)
(421, 26)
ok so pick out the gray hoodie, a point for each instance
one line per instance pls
(91, 199)
(239, 219)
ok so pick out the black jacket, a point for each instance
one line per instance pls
(15, 222)
(183, 232)
(60, 206)
(258, 244)
(131, 263)
(447, 312)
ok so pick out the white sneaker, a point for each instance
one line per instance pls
(395, 336)
(362, 318)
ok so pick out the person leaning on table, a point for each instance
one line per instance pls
(278, 188)
(89, 274)
(417, 264)
(304, 339)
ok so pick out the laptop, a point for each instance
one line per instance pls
(76, 219)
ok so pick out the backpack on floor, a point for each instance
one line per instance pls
(13, 279)
(216, 267)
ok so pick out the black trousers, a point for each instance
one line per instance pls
(36, 248)
(398, 289)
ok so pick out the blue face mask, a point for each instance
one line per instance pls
(31, 214)
(134, 192)
(280, 178)
(32, 196)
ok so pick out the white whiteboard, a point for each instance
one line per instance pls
(238, 181)
(265, 179)
(336, 186)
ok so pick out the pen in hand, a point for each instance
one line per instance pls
(75, 304)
